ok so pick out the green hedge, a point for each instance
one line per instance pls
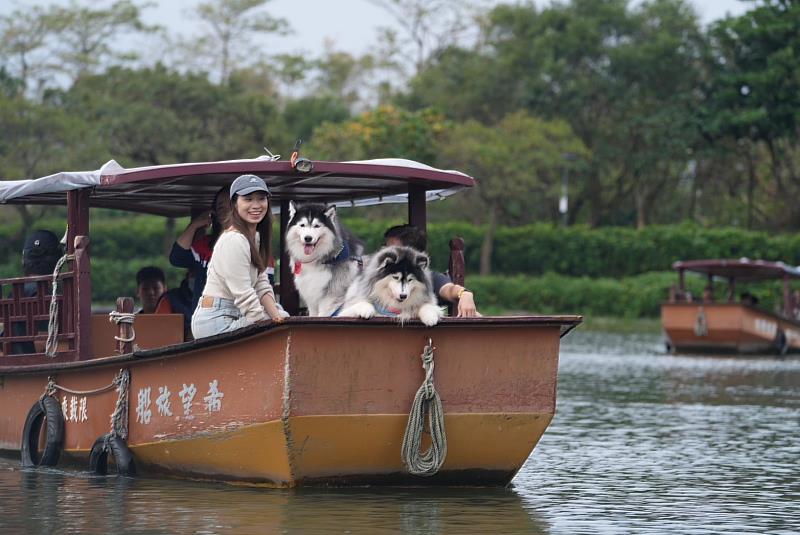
(630, 297)
(532, 250)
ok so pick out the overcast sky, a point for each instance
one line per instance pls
(350, 24)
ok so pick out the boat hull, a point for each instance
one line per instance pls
(314, 402)
(728, 328)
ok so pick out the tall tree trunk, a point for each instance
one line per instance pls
(594, 198)
(751, 186)
(488, 241)
(641, 208)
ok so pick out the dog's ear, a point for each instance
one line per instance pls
(387, 256)
(422, 261)
(330, 212)
(292, 210)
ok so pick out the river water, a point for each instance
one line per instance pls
(642, 442)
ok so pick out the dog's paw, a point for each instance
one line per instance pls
(430, 314)
(362, 309)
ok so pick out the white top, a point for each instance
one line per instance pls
(231, 275)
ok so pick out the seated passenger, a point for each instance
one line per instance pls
(443, 286)
(150, 285)
(748, 299)
(179, 301)
(237, 291)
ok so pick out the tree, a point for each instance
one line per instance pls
(518, 161)
(429, 25)
(754, 93)
(23, 36)
(231, 27)
(156, 116)
(85, 36)
(386, 132)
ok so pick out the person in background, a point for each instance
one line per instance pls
(40, 254)
(238, 291)
(192, 250)
(179, 301)
(443, 286)
(150, 285)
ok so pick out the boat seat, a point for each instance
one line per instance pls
(152, 331)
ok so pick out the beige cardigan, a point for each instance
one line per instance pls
(231, 275)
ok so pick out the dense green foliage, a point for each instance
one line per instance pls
(584, 261)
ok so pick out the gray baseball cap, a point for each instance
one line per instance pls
(246, 184)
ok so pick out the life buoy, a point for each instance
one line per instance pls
(123, 458)
(47, 408)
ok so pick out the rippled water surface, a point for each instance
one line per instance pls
(642, 442)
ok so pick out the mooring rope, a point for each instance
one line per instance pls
(51, 348)
(123, 317)
(119, 418)
(426, 401)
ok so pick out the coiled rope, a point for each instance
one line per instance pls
(51, 347)
(123, 317)
(426, 402)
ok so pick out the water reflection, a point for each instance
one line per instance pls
(642, 442)
(55, 501)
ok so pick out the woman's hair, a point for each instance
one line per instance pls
(259, 256)
(218, 222)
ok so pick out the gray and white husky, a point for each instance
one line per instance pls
(396, 282)
(325, 257)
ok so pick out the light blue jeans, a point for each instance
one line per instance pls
(222, 317)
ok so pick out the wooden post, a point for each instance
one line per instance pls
(82, 305)
(125, 305)
(731, 290)
(681, 283)
(787, 294)
(78, 244)
(290, 299)
(417, 214)
(456, 267)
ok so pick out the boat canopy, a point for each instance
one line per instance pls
(173, 190)
(743, 269)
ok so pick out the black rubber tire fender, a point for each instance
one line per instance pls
(49, 408)
(123, 457)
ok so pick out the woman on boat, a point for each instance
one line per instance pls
(237, 291)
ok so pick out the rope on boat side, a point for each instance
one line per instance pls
(119, 418)
(121, 382)
(123, 317)
(51, 347)
(426, 402)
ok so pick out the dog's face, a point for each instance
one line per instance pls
(401, 280)
(311, 232)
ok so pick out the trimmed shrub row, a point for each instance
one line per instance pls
(532, 250)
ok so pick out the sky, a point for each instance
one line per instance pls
(350, 25)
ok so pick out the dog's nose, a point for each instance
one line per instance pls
(307, 239)
(402, 297)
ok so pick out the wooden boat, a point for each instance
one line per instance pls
(308, 401)
(734, 325)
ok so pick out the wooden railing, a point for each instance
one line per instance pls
(25, 313)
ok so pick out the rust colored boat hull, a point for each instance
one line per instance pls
(727, 327)
(314, 401)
